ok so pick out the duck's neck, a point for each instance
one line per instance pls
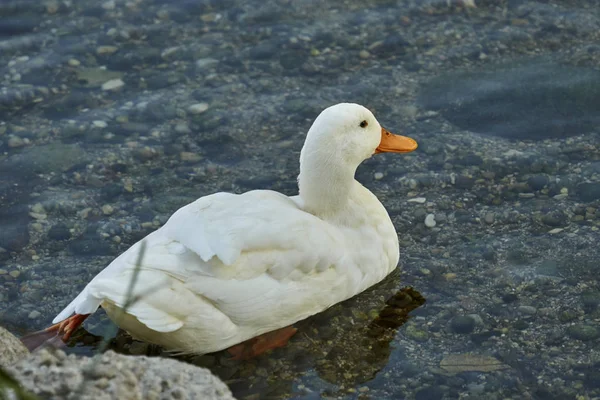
(326, 184)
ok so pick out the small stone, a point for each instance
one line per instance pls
(182, 128)
(198, 108)
(419, 200)
(15, 273)
(109, 5)
(189, 156)
(84, 213)
(378, 175)
(74, 63)
(99, 124)
(538, 182)
(430, 221)
(364, 54)
(590, 300)
(510, 298)
(416, 334)
(106, 50)
(107, 209)
(34, 314)
(583, 332)
(450, 276)
(489, 218)
(113, 84)
(59, 232)
(462, 324)
(15, 141)
(527, 310)
(556, 230)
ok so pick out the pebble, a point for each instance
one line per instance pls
(527, 310)
(189, 156)
(15, 141)
(14, 273)
(113, 84)
(99, 124)
(34, 314)
(378, 175)
(198, 108)
(462, 324)
(364, 54)
(74, 62)
(182, 128)
(430, 221)
(419, 200)
(489, 218)
(106, 50)
(583, 332)
(107, 209)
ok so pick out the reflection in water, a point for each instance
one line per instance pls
(349, 368)
(344, 345)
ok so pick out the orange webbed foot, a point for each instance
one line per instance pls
(260, 344)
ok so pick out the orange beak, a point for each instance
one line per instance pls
(391, 143)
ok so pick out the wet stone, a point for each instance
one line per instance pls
(59, 232)
(510, 298)
(537, 182)
(590, 300)
(462, 324)
(583, 332)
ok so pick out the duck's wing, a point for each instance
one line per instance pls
(248, 257)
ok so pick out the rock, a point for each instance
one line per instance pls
(104, 50)
(12, 349)
(51, 374)
(198, 108)
(430, 221)
(537, 182)
(527, 310)
(107, 209)
(43, 159)
(583, 332)
(59, 232)
(509, 298)
(99, 124)
(590, 300)
(489, 218)
(113, 84)
(462, 324)
(34, 314)
(15, 141)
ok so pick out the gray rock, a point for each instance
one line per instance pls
(527, 310)
(12, 348)
(51, 374)
(583, 332)
(462, 324)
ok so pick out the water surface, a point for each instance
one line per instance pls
(114, 114)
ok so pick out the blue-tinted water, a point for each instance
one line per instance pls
(113, 114)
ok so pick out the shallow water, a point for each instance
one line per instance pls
(100, 145)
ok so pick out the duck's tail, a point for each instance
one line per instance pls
(55, 335)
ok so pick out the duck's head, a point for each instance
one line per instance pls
(350, 133)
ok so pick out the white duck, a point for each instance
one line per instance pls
(228, 268)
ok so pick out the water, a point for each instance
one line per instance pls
(503, 100)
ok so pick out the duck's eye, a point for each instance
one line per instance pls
(364, 124)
